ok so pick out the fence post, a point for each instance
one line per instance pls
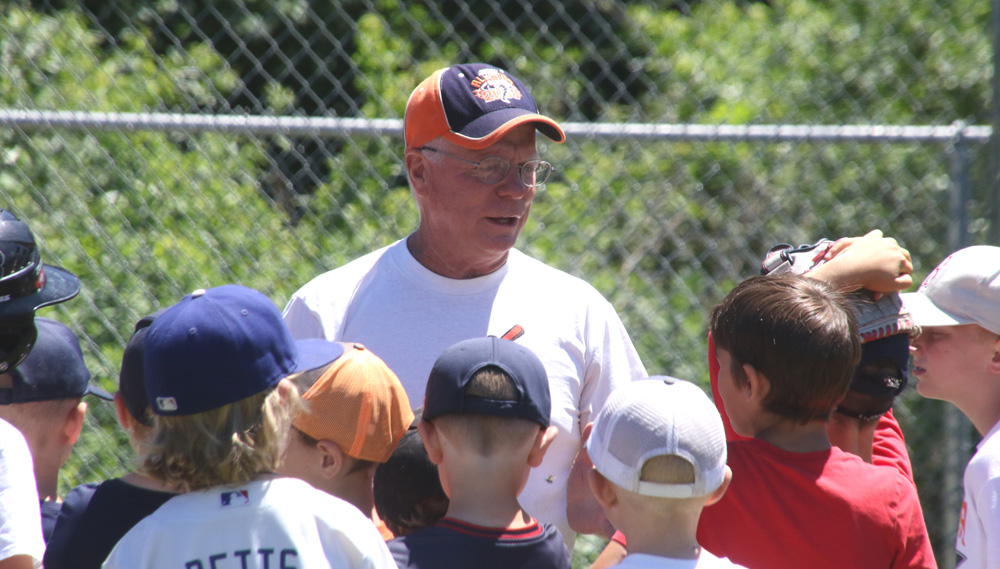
(957, 428)
(993, 173)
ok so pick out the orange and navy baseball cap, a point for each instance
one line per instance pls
(472, 105)
(358, 403)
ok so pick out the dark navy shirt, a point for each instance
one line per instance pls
(454, 544)
(92, 520)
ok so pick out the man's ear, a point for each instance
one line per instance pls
(332, 457)
(721, 490)
(542, 441)
(416, 169)
(431, 439)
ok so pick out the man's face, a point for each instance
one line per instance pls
(949, 360)
(468, 222)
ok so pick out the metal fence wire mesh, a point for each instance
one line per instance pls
(159, 147)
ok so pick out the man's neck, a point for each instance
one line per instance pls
(429, 256)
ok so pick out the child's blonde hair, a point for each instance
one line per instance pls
(228, 445)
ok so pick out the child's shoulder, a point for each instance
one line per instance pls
(985, 463)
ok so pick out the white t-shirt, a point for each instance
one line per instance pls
(282, 522)
(705, 561)
(407, 315)
(978, 540)
(20, 517)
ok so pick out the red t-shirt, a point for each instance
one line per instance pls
(820, 509)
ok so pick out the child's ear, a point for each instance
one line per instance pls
(432, 441)
(995, 363)
(332, 457)
(122, 412)
(602, 489)
(73, 423)
(542, 441)
(721, 490)
(757, 385)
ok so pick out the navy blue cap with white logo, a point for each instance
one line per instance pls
(219, 346)
(54, 369)
(457, 364)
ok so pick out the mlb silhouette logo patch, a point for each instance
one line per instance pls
(166, 403)
(235, 498)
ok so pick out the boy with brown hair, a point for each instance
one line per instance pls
(956, 358)
(787, 348)
(485, 424)
(355, 412)
(659, 454)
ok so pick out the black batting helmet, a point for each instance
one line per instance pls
(25, 286)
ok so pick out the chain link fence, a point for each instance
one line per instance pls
(160, 147)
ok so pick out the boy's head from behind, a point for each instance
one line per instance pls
(660, 437)
(354, 408)
(489, 393)
(799, 333)
(486, 416)
(213, 366)
(408, 493)
(659, 453)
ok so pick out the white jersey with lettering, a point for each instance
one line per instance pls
(280, 523)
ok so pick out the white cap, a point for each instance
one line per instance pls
(963, 289)
(653, 417)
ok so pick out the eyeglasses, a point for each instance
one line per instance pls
(493, 169)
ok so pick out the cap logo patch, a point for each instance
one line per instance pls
(166, 403)
(930, 278)
(494, 85)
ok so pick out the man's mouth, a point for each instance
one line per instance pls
(504, 220)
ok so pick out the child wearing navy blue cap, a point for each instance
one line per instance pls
(215, 368)
(485, 424)
(43, 398)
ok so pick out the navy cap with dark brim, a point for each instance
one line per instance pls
(56, 285)
(54, 369)
(452, 371)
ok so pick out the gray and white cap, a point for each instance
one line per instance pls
(653, 417)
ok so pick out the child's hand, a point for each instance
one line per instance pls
(873, 262)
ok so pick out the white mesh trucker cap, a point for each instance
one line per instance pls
(659, 416)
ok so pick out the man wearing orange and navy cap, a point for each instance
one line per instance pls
(474, 169)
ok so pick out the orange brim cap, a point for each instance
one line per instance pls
(359, 404)
(472, 105)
